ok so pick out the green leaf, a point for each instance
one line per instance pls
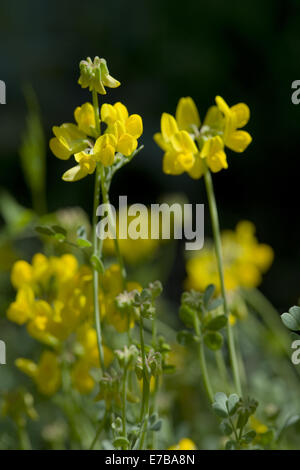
(121, 441)
(290, 321)
(295, 312)
(225, 428)
(83, 243)
(156, 426)
(213, 340)
(58, 229)
(187, 315)
(249, 436)
(220, 405)
(231, 445)
(232, 403)
(208, 294)
(44, 230)
(97, 264)
(60, 237)
(185, 337)
(214, 304)
(217, 322)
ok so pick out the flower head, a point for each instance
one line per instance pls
(190, 145)
(95, 75)
(120, 135)
(46, 374)
(184, 444)
(245, 260)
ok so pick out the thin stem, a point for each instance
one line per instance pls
(146, 390)
(124, 395)
(112, 224)
(202, 361)
(99, 430)
(222, 368)
(218, 248)
(96, 251)
(24, 440)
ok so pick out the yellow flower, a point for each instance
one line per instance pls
(189, 146)
(121, 135)
(53, 296)
(184, 444)
(133, 251)
(81, 376)
(245, 260)
(126, 129)
(68, 140)
(257, 425)
(85, 118)
(181, 153)
(46, 374)
(235, 117)
(112, 285)
(214, 154)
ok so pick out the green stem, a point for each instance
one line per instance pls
(23, 437)
(202, 361)
(146, 390)
(113, 226)
(218, 249)
(96, 251)
(124, 395)
(222, 369)
(99, 430)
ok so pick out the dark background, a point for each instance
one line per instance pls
(161, 50)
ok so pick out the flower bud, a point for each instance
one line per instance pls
(95, 75)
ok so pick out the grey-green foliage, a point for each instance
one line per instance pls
(235, 413)
(291, 319)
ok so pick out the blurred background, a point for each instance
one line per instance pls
(162, 50)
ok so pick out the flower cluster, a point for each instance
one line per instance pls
(54, 300)
(245, 260)
(81, 139)
(190, 145)
(86, 140)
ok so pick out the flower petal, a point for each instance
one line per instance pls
(242, 114)
(126, 144)
(134, 126)
(182, 142)
(168, 126)
(238, 141)
(74, 174)
(85, 118)
(187, 114)
(58, 149)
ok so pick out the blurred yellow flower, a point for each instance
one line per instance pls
(111, 285)
(133, 251)
(184, 444)
(257, 425)
(189, 146)
(53, 296)
(46, 374)
(245, 260)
